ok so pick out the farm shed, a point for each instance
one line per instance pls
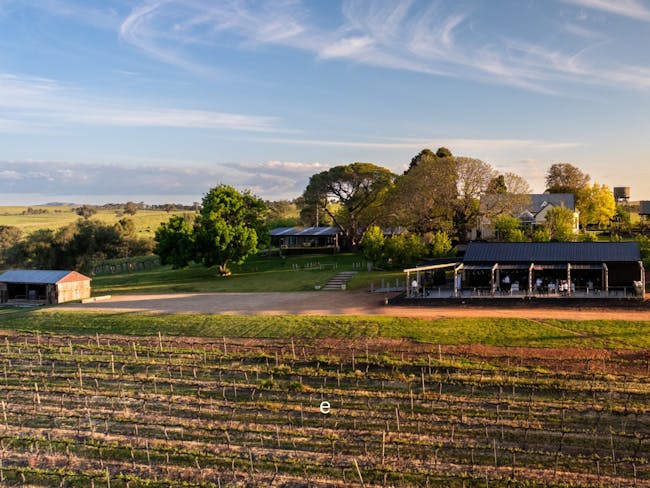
(43, 286)
(607, 268)
(295, 237)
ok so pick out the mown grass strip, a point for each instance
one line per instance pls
(488, 331)
(613, 333)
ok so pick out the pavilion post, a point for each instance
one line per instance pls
(606, 279)
(568, 277)
(642, 270)
(456, 287)
(493, 282)
(455, 282)
(408, 284)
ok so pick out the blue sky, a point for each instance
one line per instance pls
(161, 100)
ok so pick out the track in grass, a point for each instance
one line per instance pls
(159, 411)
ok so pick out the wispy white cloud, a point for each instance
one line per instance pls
(533, 170)
(271, 180)
(431, 38)
(102, 17)
(583, 32)
(626, 8)
(39, 102)
(346, 47)
(459, 145)
(136, 29)
(291, 167)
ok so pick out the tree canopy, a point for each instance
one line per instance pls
(424, 197)
(473, 179)
(130, 208)
(225, 230)
(78, 245)
(559, 222)
(566, 178)
(597, 205)
(86, 211)
(429, 155)
(357, 191)
(227, 227)
(175, 241)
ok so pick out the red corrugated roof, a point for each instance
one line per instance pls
(73, 276)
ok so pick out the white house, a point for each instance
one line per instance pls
(530, 209)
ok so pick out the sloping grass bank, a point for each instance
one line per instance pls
(493, 332)
(272, 273)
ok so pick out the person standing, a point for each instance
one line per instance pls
(414, 288)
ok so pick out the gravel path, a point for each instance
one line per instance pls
(334, 303)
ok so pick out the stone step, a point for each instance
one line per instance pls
(337, 282)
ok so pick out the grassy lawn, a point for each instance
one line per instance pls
(299, 273)
(146, 221)
(493, 332)
(610, 332)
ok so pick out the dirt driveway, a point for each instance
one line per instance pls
(335, 303)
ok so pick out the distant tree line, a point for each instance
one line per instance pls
(78, 246)
(130, 206)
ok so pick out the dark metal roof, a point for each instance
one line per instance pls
(304, 231)
(551, 252)
(37, 276)
(533, 202)
(540, 200)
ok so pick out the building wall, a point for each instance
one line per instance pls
(68, 292)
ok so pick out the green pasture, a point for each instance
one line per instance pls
(610, 332)
(487, 331)
(270, 273)
(146, 221)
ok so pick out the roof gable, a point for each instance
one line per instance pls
(534, 202)
(539, 201)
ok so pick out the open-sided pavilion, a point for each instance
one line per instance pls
(572, 269)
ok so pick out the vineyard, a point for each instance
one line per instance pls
(118, 411)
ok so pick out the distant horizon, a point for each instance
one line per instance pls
(36, 199)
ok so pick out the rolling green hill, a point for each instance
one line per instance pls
(55, 217)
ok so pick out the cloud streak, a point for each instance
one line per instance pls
(270, 179)
(459, 145)
(38, 102)
(625, 8)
